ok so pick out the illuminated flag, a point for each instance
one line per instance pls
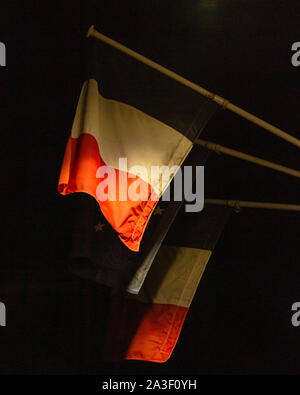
(97, 253)
(147, 326)
(127, 110)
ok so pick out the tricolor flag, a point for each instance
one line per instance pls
(97, 253)
(147, 326)
(127, 110)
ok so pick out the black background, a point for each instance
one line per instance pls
(240, 319)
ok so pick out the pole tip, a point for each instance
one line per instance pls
(90, 31)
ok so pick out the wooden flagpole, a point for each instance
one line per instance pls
(218, 99)
(237, 154)
(236, 204)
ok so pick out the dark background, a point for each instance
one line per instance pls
(240, 319)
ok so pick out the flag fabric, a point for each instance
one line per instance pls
(97, 253)
(127, 110)
(166, 212)
(147, 326)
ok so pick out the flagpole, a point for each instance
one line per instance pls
(249, 158)
(216, 98)
(236, 204)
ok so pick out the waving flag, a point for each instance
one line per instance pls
(129, 111)
(97, 253)
(147, 326)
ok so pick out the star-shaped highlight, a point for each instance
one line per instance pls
(99, 226)
(158, 211)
